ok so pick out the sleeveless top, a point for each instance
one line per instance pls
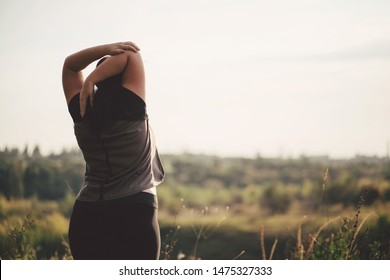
(117, 144)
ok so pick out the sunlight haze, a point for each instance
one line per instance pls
(231, 78)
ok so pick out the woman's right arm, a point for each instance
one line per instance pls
(72, 78)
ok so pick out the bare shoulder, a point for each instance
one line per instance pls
(134, 74)
(135, 62)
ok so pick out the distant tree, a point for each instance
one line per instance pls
(42, 178)
(371, 196)
(343, 190)
(276, 199)
(25, 153)
(11, 182)
(386, 195)
(386, 172)
(4, 187)
(72, 173)
(36, 152)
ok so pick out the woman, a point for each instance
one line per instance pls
(115, 212)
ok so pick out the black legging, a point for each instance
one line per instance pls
(118, 229)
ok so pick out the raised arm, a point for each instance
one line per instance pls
(72, 78)
(128, 64)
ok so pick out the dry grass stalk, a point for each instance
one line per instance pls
(300, 247)
(68, 253)
(204, 231)
(262, 242)
(239, 255)
(313, 238)
(264, 254)
(324, 181)
(169, 244)
(362, 223)
(273, 249)
(323, 192)
(356, 229)
(359, 228)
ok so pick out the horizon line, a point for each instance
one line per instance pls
(255, 155)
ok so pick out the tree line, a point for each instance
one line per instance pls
(23, 175)
(273, 182)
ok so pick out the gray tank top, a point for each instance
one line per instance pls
(121, 158)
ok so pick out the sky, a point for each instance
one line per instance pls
(228, 78)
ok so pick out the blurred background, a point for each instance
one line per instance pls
(271, 118)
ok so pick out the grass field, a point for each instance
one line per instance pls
(33, 229)
(214, 208)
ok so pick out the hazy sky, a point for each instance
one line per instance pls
(240, 77)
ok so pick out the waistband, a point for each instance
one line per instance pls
(140, 197)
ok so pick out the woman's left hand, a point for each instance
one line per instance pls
(86, 92)
(121, 47)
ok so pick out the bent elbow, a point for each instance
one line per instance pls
(68, 64)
